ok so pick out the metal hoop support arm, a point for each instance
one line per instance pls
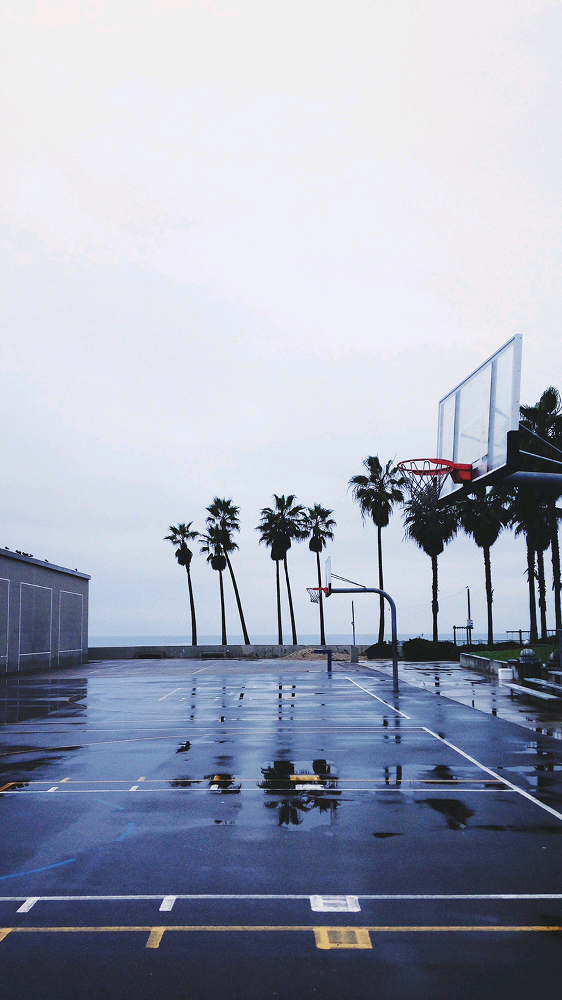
(375, 590)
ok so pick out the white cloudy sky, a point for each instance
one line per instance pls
(246, 244)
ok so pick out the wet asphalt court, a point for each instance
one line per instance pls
(241, 830)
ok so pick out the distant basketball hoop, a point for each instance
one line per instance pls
(425, 475)
(314, 593)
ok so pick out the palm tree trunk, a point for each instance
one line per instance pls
(192, 606)
(555, 553)
(542, 592)
(434, 601)
(489, 592)
(321, 595)
(279, 624)
(223, 616)
(532, 599)
(238, 601)
(381, 585)
(291, 612)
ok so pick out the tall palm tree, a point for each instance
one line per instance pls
(179, 536)
(212, 545)
(529, 516)
(223, 515)
(279, 526)
(483, 515)
(545, 420)
(376, 494)
(318, 526)
(431, 527)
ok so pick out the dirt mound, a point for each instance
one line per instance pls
(309, 654)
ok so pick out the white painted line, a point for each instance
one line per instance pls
(168, 695)
(167, 902)
(30, 901)
(505, 781)
(333, 904)
(392, 709)
(259, 896)
(53, 789)
(393, 786)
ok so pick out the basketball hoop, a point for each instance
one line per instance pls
(314, 593)
(427, 475)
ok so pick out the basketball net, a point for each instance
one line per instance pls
(425, 476)
(314, 593)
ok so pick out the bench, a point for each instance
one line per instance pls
(530, 692)
(546, 685)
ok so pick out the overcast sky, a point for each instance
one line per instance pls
(246, 244)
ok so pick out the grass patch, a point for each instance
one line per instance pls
(510, 654)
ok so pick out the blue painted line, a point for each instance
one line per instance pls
(33, 871)
(112, 804)
(127, 832)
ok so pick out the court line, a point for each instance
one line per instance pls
(398, 712)
(211, 732)
(169, 693)
(253, 928)
(128, 831)
(390, 896)
(34, 871)
(327, 792)
(515, 788)
(453, 782)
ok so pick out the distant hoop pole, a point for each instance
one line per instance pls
(383, 593)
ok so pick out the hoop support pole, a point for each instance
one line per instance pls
(383, 593)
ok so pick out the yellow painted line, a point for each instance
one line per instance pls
(342, 937)
(4, 787)
(155, 937)
(249, 928)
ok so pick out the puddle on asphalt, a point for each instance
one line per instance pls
(295, 789)
(455, 811)
(222, 783)
(12, 770)
(22, 700)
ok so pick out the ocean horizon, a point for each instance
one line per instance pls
(341, 639)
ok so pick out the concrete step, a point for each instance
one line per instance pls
(530, 693)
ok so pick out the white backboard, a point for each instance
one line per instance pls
(328, 575)
(475, 417)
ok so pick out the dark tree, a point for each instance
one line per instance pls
(179, 536)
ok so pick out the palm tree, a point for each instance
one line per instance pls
(179, 536)
(431, 527)
(483, 515)
(529, 516)
(212, 545)
(544, 419)
(223, 515)
(376, 495)
(318, 525)
(279, 526)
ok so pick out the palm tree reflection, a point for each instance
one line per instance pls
(282, 780)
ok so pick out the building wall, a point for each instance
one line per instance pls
(43, 614)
